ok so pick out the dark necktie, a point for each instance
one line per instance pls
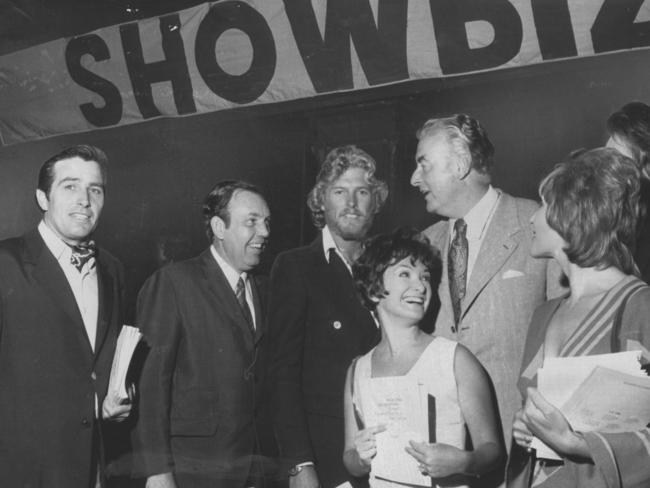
(337, 262)
(240, 291)
(457, 263)
(82, 253)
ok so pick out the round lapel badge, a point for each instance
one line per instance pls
(337, 325)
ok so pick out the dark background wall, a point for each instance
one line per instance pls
(161, 170)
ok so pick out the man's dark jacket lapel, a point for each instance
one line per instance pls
(48, 274)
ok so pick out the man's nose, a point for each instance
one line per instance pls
(415, 177)
(263, 229)
(83, 198)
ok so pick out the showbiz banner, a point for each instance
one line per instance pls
(234, 53)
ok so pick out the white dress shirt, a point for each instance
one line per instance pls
(329, 244)
(83, 284)
(232, 276)
(477, 219)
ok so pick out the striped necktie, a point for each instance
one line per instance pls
(240, 291)
(457, 264)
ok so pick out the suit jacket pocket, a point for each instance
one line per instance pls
(194, 412)
(194, 427)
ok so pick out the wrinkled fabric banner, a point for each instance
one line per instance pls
(234, 53)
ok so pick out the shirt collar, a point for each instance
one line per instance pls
(54, 243)
(328, 243)
(231, 273)
(478, 216)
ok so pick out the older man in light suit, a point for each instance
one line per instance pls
(490, 284)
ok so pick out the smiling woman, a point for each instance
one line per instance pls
(394, 278)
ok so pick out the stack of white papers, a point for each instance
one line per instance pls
(604, 392)
(399, 403)
(126, 343)
(610, 401)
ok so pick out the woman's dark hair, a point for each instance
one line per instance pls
(630, 125)
(385, 250)
(592, 203)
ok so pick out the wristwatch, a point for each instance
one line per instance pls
(293, 471)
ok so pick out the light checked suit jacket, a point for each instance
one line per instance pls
(505, 287)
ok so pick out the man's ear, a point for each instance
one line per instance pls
(462, 161)
(218, 227)
(42, 200)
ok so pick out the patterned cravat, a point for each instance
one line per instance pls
(457, 263)
(82, 253)
(240, 291)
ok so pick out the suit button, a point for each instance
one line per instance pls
(93, 375)
(85, 422)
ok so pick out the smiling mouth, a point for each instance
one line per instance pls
(81, 217)
(415, 300)
(258, 246)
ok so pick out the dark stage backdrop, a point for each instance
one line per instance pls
(161, 170)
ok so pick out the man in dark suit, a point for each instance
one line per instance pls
(203, 321)
(317, 324)
(60, 309)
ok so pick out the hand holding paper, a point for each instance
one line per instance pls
(548, 424)
(586, 388)
(365, 443)
(520, 431)
(438, 460)
(126, 344)
(115, 409)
